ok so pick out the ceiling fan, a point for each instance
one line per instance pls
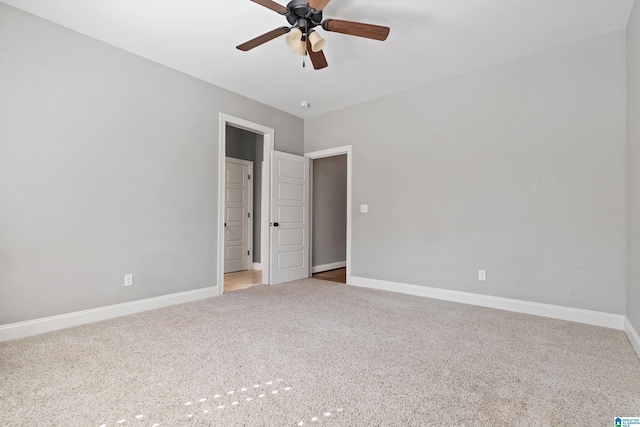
(304, 16)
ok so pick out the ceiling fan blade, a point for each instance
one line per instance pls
(263, 39)
(368, 31)
(318, 4)
(317, 58)
(272, 5)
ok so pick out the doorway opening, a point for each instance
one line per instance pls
(243, 228)
(331, 214)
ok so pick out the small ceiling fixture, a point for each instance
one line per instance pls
(304, 16)
(304, 104)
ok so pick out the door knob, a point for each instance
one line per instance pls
(275, 224)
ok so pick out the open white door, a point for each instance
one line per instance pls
(289, 217)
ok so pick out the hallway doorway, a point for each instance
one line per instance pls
(243, 142)
(331, 214)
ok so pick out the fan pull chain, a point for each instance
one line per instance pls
(304, 57)
(304, 40)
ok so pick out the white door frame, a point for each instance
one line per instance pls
(269, 135)
(337, 151)
(249, 209)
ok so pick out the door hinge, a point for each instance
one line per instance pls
(249, 176)
(248, 252)
(248, 214)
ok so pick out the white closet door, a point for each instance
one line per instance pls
(236, 215)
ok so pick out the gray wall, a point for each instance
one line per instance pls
(518, 169)
(329, 210)
(633, 188)
(108, 165)
(245, 145)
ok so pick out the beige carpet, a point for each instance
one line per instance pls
(320, 353)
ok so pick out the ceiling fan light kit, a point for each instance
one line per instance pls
(304, 16)
(301, 49)
(294, 38)
(317, 42)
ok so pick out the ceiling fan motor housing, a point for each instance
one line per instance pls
(299, 15)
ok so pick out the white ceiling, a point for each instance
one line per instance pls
(429, 40)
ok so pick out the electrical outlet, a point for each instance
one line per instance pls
(364, 208)
(128, 279)
(482, 275)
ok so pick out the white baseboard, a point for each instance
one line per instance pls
(327, 267)
(607, 320)
(633, 336)
(54, 323)
(257, 266)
